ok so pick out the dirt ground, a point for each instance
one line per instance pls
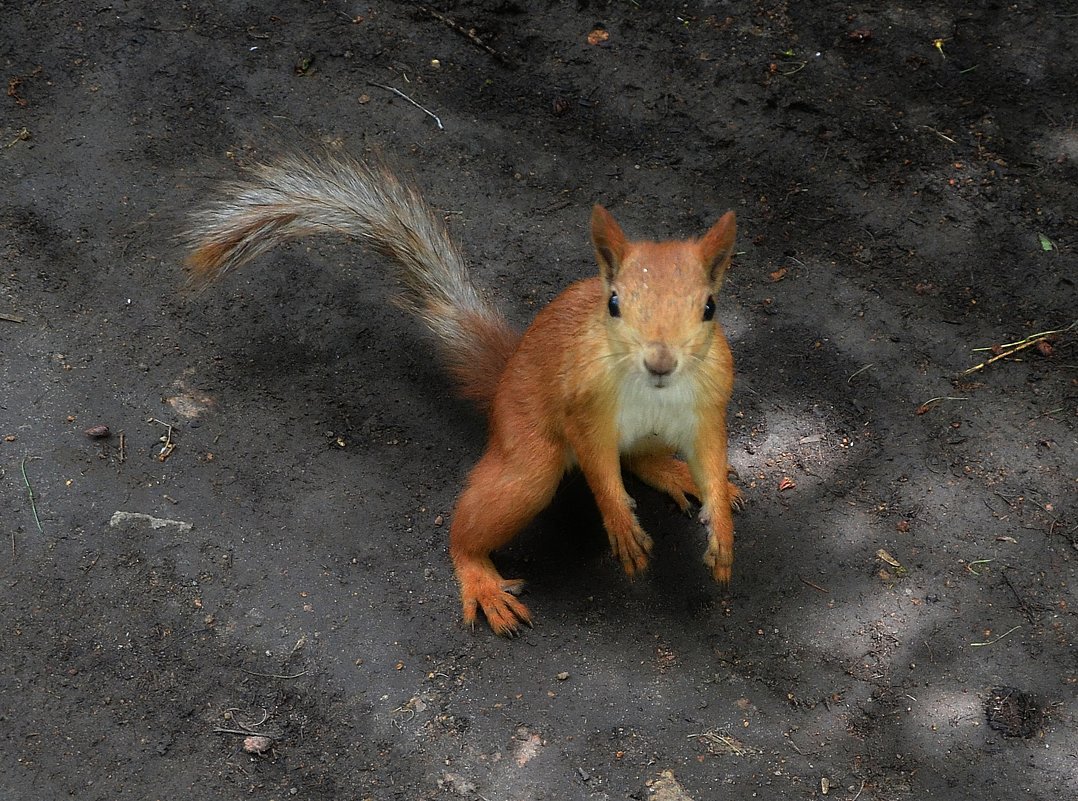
(902, 618)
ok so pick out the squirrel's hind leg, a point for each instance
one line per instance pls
(662, 471)
(504, 492)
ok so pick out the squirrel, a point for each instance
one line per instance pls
(621, 370)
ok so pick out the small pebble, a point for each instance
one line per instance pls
(257, 744)
(99, 431)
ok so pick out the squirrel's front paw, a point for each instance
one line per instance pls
(720, 560)
(719, 555)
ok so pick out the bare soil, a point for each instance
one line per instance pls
(901, 622)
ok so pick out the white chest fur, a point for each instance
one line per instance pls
(663, 414)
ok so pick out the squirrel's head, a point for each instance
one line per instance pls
(660, 296)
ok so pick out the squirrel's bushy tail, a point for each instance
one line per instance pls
(302, 195)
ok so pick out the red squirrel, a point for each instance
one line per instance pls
(620, 371)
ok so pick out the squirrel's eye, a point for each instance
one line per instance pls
(612, 305)
(709, 309)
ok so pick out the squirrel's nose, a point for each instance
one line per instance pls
(659, 359)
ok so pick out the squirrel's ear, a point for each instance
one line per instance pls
(609, 242)
(717, 246)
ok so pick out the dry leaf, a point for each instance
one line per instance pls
(786, 483)
(778, 275)
(882, 554)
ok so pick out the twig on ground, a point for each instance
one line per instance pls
(1047, 414)
(470, 36)
(1031, 336)
(937, 133)
(12, 318)
(931, 655)
(928, 404)
(21, 136)
(248, 726)
(275, 675)
(33, 502)
(814, 586)
(169, 445)
(246, 732)
(1015, 347)
(1023, 606)
(993, 642)
(714, 737)
(248, 729)
(858, 372)
(969, 565)
(2, 475)
(399, 93)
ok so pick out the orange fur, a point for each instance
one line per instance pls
(477, 367)
(620, 371)
(557, 404)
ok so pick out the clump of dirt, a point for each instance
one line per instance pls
(1014, 713)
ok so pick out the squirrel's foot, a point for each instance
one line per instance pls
(679, 485)
(497, 600)
(719, 555)
(631, 546)
(737, 500)
(720, 560)
(666, 474)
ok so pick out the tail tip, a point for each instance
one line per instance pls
(205, 264)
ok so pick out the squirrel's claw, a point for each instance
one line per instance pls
(499, 605)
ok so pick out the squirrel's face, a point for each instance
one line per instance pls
(660, 297)
(661, 310)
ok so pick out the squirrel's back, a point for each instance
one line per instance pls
(301, 195)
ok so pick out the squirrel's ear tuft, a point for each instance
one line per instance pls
(609, 242)
(717, 246)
